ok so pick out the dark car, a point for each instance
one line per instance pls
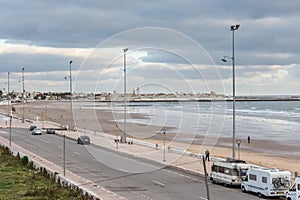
(32, 127)
(84, 139)
(50, 131)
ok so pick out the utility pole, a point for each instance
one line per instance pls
(64, 156)
(206, 178)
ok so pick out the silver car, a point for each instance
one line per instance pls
(36, 131)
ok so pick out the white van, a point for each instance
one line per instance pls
(267, 182)
(294, 192)
(229, 172)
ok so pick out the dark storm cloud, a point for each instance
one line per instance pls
(86, 23)
(268, 35)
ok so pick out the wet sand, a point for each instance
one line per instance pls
(259, 152)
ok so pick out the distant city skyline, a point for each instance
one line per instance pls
(183, 54)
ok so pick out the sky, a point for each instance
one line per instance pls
(173, 46)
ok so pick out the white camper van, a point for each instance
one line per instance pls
(294, 192)
(229, 172)
(267, 181)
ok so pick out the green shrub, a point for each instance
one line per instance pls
(24, 160)
(30, 165)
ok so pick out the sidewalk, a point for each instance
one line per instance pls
(70, 177)
(137, 148)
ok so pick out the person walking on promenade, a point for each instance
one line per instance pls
(207, 155)
(248, 139)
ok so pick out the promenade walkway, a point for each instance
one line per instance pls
(174, 156)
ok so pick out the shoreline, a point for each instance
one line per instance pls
(258, 152)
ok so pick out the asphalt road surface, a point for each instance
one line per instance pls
(131, 177)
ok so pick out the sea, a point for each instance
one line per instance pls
(262, 120)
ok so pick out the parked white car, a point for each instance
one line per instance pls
(36, 131)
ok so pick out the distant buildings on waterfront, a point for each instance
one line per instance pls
(134, 96)
(105, 96)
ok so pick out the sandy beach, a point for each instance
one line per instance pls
(258, 152)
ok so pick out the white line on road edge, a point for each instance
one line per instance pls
(203, 198)
(76, 153)
(159, 183)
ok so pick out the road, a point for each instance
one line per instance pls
(131, 177)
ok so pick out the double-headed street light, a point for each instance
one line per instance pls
(123, 139)
(233, 28)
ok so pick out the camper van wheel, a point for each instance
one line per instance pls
(243, 189)
(260, 195)
(289, 198)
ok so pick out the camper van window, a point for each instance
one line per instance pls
(214, 168)
(234, 172)
(264, 179)
(298, 186)
(252, 177)
(221, 169)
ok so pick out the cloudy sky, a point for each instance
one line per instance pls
(173, 45)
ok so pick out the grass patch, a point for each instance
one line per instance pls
(19, 181)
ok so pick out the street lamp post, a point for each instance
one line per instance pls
(23, 99)
(123, 139)
(8, 97)
(9, 114)
(71, 95)
(233, 28)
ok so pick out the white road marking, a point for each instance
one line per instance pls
(76, 153)
(121, 169)
(203, 198)
(159, 183)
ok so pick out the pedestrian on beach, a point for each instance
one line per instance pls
(207, 155)
(248, 139)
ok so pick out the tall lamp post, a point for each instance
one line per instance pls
(71, 95)
(164, 132)
(123, 139)
(233, 28)
(8, 97)
(23, 99)
(9, 113)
